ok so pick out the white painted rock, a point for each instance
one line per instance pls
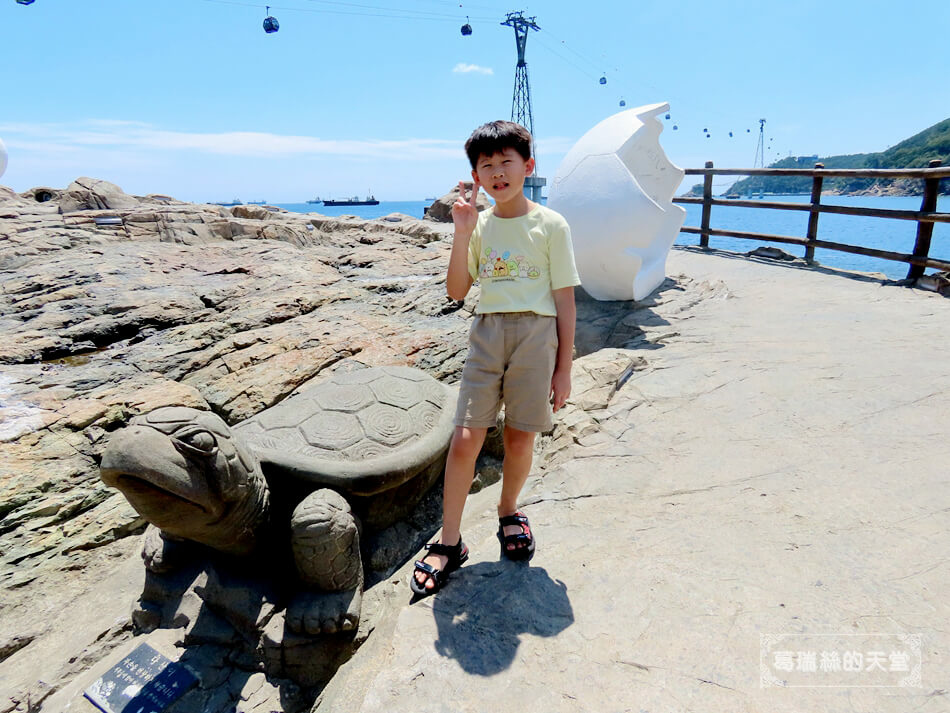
(615, 188)
(3, 157)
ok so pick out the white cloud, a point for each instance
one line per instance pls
(125, 135)
(146, 158)
(465, 68)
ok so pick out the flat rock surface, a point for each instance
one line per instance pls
(777, 467)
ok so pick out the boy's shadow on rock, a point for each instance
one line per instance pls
(485, 608)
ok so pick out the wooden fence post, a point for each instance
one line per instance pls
(707, 207)
(812, 234)
(925, 230)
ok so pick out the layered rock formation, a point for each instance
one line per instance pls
(114, 305)
(441, 209)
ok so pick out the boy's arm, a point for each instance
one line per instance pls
(566, 316)
(458, 281)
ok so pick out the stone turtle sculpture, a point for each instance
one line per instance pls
(298, 481)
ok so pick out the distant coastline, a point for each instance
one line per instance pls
(917, 151)
(896, 189)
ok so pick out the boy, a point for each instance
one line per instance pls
(520, 344)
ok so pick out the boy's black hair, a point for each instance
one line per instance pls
(496, 136)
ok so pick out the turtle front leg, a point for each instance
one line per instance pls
(326, 547)
(164, 556)
(163, 553)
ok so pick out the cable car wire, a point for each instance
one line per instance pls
(421, 14)
(560, 46)
(597, 65)
(565, 59)
(385, 12)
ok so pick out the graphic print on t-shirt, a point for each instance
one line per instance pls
(505, 267)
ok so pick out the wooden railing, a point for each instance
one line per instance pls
(925, 217)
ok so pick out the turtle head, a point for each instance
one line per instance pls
(182, 470)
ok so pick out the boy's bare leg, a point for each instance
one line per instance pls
(459, 472)
(519, 449)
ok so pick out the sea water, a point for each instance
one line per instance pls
(415, 209)
(881, 233)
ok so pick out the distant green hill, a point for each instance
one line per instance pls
(915, 152)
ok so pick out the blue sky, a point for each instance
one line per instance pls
(191, 97)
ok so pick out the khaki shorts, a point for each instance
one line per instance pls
(511, 357)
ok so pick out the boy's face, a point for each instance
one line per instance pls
(502, 174)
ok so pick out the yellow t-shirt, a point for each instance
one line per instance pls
(518, 261)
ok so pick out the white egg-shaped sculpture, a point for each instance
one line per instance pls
(615, 188)
(3, 157)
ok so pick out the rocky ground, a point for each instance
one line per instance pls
(113, 305)
(758, 449)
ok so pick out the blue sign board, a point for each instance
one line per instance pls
(144, 681)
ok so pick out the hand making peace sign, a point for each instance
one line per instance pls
(465, 212)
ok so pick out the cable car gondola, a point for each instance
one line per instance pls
(25, 2)
(603, 80)
(270, 23)
(667, 116)
(466, 28)
(623, 103)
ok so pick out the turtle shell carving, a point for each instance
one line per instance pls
(362, 432)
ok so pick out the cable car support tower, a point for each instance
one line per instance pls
(759, 160)
(521, 100)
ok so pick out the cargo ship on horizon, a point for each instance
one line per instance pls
(355, 200)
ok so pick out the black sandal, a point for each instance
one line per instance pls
(457, 555)
(523, 542)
